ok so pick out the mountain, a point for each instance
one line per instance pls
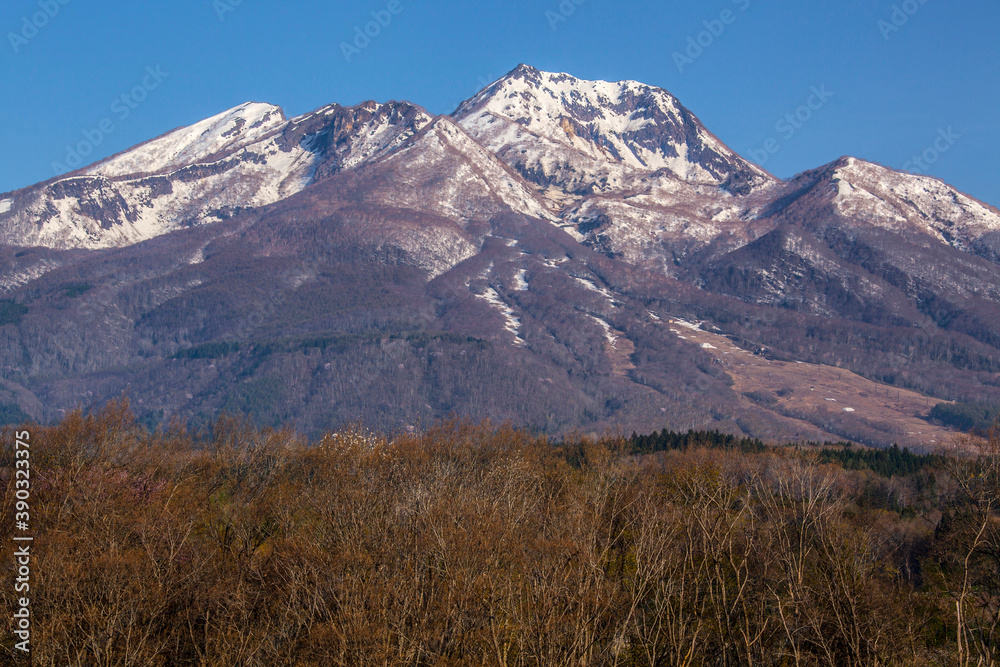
(247, 157)
(853, 189)
(558, 253)
(593, 136)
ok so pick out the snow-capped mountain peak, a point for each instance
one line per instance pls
(247, 157)
(625, 123)
(226, 132)
(872, 195)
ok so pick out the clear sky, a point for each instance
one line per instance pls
(929, 70)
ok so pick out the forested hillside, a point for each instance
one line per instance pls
(483, 545)
(979, 417)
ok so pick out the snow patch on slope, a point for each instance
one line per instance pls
(512, 323)
(609, 332)
(26, 275)
(593, 287)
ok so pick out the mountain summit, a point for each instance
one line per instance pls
(559, 253)
(554, 127)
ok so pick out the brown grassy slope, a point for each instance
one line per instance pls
(834, 400)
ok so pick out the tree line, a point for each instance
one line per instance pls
(482, 545)
(967, 416)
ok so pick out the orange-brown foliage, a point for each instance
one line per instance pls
(476, 545)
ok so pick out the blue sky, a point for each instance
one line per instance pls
(931, 68)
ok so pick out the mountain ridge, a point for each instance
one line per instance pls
(621, 152)
(557, 253)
